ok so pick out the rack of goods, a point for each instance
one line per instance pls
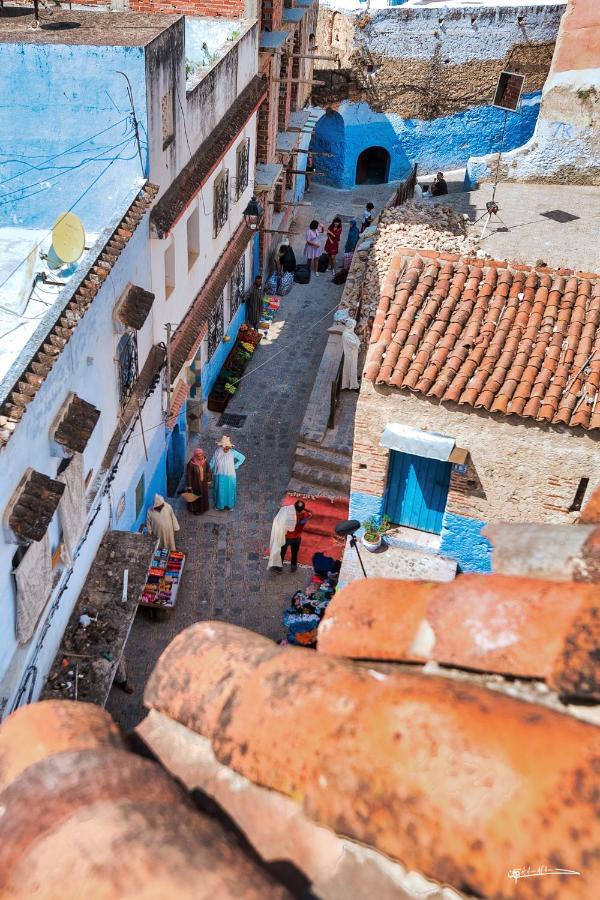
(162, 585)
(239, 357)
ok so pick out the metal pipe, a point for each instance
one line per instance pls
(168, 370)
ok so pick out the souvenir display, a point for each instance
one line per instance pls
(303, 616)
(160, 590)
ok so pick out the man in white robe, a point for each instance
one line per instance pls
(351, 346)
(162, 524)
(284, 521)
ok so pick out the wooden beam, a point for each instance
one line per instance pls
(310, 56)
(295, 81)
(286, 203)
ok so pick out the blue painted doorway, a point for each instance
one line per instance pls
(417, 491)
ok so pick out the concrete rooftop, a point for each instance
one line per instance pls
(65, 26)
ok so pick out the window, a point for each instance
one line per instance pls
(166, 118)
(243, 159)
(169, 270)
(579, 495)
(140, 493)
(127, 361)
(216, 327)
(193, 238)
(221, 201)
(237, 286)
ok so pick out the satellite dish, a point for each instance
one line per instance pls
(68, 238)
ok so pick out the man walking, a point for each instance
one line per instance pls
(286, 531)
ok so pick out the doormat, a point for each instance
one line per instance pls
(319, 535)
(232, 420)
(559, 215)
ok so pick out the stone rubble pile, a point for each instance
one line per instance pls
(410, 225)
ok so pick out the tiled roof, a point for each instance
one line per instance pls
(29, 383)
(178, 398)
(83, 817)
(521, 627)
(37, 499)
(135, 306)
(590, 514)
(454, 780)
(511, 340)
(187, 335)
(76, 425)
(191, 178)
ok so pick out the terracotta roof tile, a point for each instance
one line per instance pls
(510, 340)
(515, 626)
(77, 424)
(134, 308)
(191, 178)
(29, 383)
(590, 515)
(193, 326)
(34, 732)
(85, 818)
(36, 501)
(450, 778)
(178, 398)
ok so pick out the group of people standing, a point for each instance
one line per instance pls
(313, 248)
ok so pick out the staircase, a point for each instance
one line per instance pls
(321, 471)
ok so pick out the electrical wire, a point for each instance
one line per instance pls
(62, 153)
(47, 235)
(66, 170)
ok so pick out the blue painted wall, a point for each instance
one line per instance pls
(443, 143)
(72, 94)
(176, 451)
(363, 506)
(462, 540)
(212, 368)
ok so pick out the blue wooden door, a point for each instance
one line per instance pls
(417, 491)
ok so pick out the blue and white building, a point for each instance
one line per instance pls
(108, 121)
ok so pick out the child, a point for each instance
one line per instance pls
(367, 217)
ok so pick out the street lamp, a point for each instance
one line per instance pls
(253, 214)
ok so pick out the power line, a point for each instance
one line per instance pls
(47, 235)
(66, 171)
(58, 155)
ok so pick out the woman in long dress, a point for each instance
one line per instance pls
(351, 346)
(197, 482)
(312, 248)
(226, 459)
(332, 244)
(162, 524)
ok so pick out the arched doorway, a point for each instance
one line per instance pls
(373, 166)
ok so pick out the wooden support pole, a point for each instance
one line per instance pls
(286, 203)
(302, 172)
(310, 56)
(295, 81)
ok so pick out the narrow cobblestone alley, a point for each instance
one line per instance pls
(226, 576)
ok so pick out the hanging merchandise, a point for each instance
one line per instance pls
(273, 283)
(286, 283)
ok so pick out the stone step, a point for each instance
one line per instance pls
(328, 478)
(308, 490)
(322, 458)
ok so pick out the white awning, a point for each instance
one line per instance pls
(428, 444)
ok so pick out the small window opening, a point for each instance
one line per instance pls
(579, 495)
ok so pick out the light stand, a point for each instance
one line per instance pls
(349, 529)
(507, 98)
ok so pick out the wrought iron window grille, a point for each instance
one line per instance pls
(243, 167)
(221, 202)
(237, 286)
(127, 361)
(216, 327)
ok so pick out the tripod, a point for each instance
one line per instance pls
(491, 207)
(353, 543)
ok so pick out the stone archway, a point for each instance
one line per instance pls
(373, 166)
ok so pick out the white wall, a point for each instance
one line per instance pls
(189, 283)
(87, 366)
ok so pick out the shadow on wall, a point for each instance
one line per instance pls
(359, 155)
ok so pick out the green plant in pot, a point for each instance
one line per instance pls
(375, 527)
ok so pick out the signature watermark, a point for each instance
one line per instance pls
(538, 871)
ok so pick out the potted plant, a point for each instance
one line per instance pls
(374, 529)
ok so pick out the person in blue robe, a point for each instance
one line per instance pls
(226, 459)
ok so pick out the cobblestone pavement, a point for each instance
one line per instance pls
(226, 576)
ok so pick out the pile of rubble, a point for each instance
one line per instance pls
(410, 225)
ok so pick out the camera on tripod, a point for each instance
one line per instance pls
(492, 207)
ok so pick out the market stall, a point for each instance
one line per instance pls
(233, 369)
(159, 594)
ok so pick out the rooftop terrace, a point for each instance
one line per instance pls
(62, 26)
